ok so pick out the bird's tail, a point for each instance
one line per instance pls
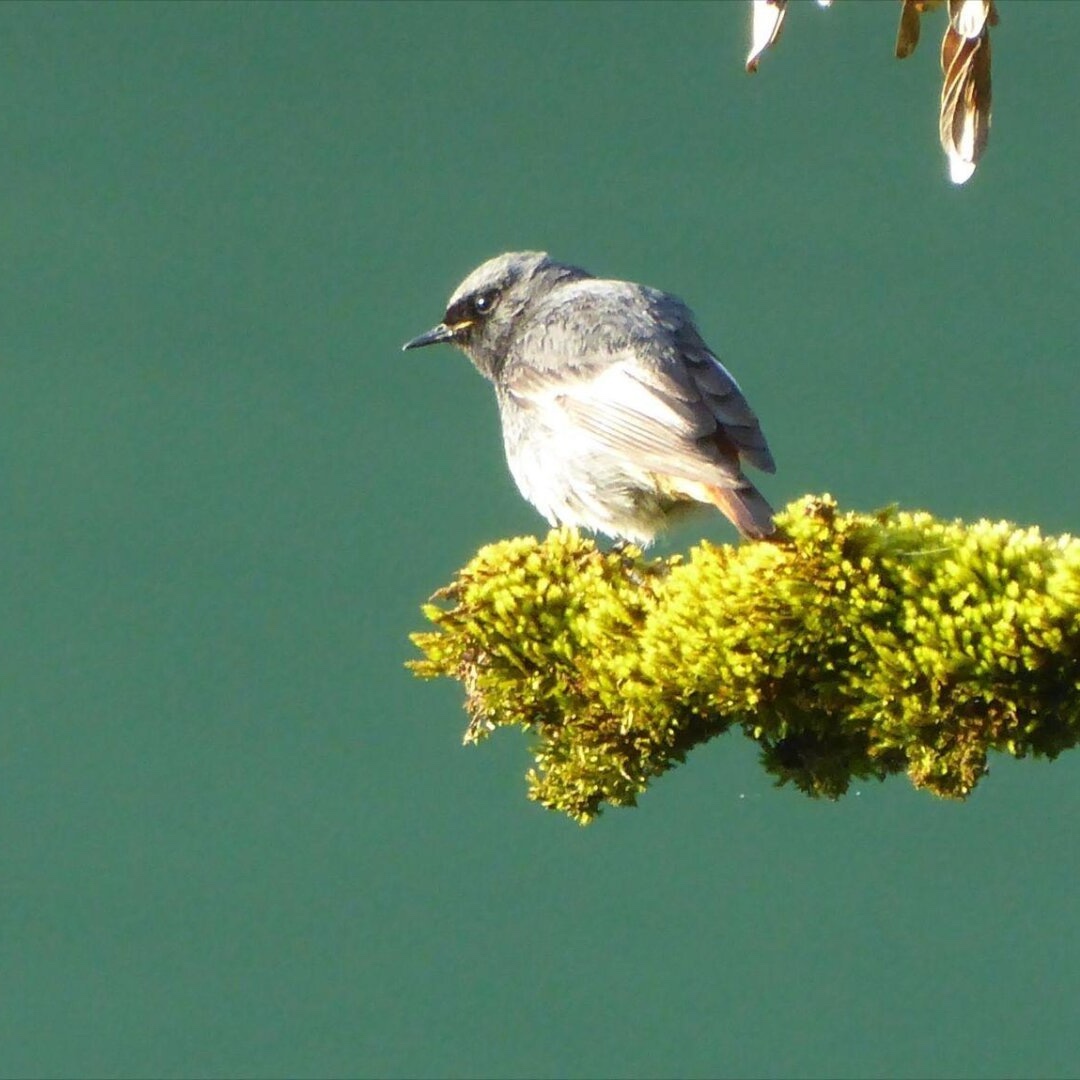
(745, 507)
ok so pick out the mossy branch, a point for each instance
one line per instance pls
(858, 646)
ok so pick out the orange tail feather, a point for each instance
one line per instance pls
(746, 509)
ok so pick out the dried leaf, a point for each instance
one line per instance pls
(907, 36)
(767, 22)
(965, 99)
(968, 17)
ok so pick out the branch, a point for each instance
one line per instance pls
(858, 646)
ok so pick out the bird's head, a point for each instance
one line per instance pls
(486, 307)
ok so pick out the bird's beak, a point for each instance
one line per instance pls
(434, 336)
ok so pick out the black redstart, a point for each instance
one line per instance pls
(616, 416)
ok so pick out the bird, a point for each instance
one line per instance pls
(617, 418)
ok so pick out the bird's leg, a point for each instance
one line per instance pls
(629, 553)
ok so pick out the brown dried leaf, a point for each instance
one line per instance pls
(907, 36)
(965, 99)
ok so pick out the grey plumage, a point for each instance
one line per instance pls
(616, 416)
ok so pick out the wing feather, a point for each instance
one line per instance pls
(640, 380)
(638, 414)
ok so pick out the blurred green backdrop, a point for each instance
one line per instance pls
(237, 837)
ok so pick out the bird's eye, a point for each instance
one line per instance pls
(485, 302)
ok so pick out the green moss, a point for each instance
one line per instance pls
(857, 646)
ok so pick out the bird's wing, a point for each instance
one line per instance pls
(669, 418)
(705, 383)
(627, 365)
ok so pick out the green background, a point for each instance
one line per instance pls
(236, 837)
